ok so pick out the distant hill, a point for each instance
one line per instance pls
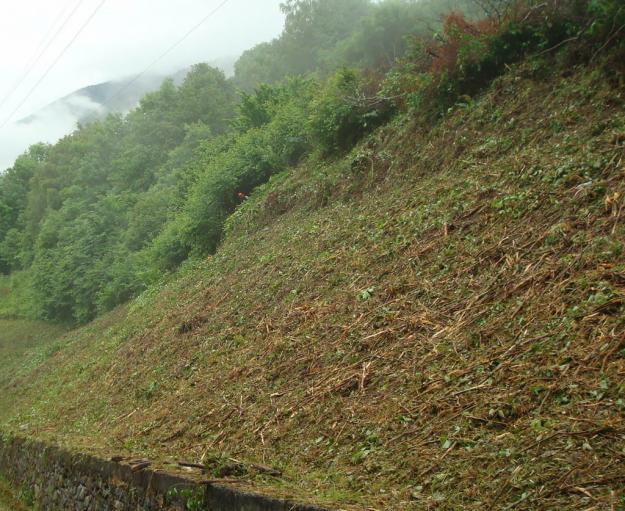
(96, 101)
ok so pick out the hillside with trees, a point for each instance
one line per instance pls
(385, 258)
(98, 217)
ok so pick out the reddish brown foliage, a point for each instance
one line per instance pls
(456, 30)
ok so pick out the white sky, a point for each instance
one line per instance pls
(123, 38)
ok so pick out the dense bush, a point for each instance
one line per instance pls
(384, 35)
(272, 136)
(322, 35)
(467, 54)
(312, 32)
(343, 113)
(79, 215)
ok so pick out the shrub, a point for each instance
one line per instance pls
(469, 54)
(127, 275)
(252, 157)
(343, 112)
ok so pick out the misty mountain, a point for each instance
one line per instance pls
(97, 101)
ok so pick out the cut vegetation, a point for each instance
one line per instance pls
(8, 502)
(429, 318)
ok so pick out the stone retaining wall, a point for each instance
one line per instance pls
(62, 481)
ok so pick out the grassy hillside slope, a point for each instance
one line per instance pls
(434, 322)
(24, 345)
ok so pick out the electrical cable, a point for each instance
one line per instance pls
(45, 40)
(167, 52)
(37, 56)
(55, 62)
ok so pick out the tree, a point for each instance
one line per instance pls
(207, 97)
(14, 189)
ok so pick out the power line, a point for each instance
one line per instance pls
(45, 40)
(167, 52)
(56, 61)
(37, 56)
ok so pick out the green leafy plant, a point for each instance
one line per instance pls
(192, 498)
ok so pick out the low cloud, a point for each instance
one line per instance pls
(48, 127)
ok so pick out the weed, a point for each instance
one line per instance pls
(192, 498)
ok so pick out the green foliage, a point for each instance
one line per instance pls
(261, 64)
(312, 33)
(14, 185)
(26, 496)
(467, 55)
(192, 498)
(608, 18)
(80, 215)
(258, 109)
(269, 139)
(384, 35)
(343, 114)
(207, 97)
(322, 35)
(15, 295)
(313, 28)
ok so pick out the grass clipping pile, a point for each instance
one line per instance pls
(440, 327)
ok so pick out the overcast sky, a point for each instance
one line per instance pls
(122, 39)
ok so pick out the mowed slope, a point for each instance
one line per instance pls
(435, 321)
(24, 345)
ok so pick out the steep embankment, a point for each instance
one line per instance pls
(435, 321)
(23, 346)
